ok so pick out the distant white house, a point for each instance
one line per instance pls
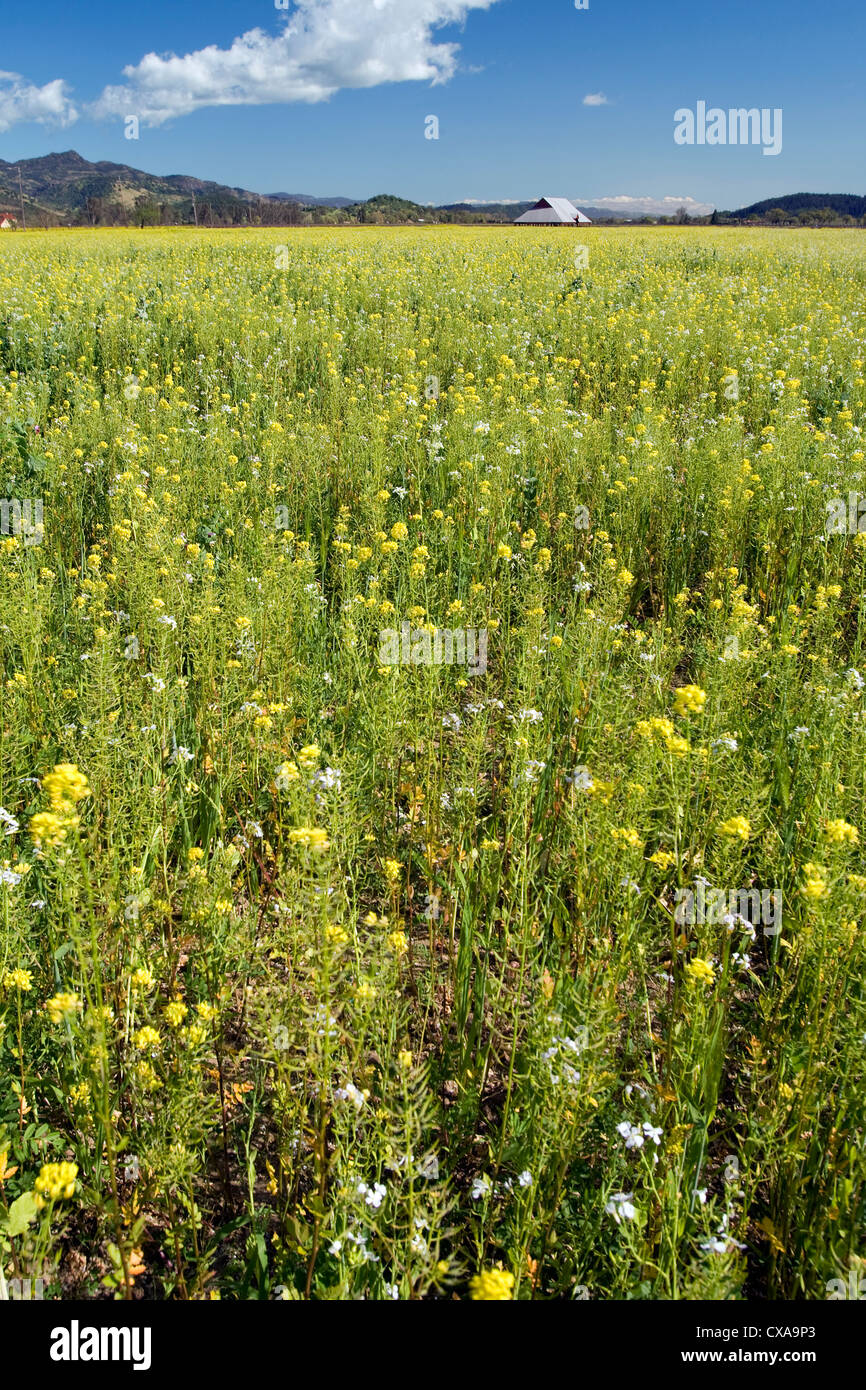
(8, 223)
(556, 212)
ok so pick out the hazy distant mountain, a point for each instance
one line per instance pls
(606, 214)
(307, 200)
(507, 211)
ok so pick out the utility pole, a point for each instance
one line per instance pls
(194, 208)
(21, 198)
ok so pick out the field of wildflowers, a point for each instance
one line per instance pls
(332, 967)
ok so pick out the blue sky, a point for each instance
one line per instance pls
(336, 102)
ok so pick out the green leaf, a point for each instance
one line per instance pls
(22, 1213)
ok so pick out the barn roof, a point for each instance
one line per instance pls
(554, 210)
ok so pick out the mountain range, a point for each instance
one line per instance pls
(68, 190)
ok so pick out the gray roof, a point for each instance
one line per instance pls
(553, 210)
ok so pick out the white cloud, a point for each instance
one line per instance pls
(595, 99)
(632, 205)
(326, 45)
(21, 101)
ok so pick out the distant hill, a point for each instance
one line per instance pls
(67, 190)
(796, 205)
(387, 207)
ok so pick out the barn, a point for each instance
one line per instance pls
(553, 212)
(8, 223)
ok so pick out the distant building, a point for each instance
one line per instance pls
(8, 222)
(553, 212)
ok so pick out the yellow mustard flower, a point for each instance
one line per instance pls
(492, 1286)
